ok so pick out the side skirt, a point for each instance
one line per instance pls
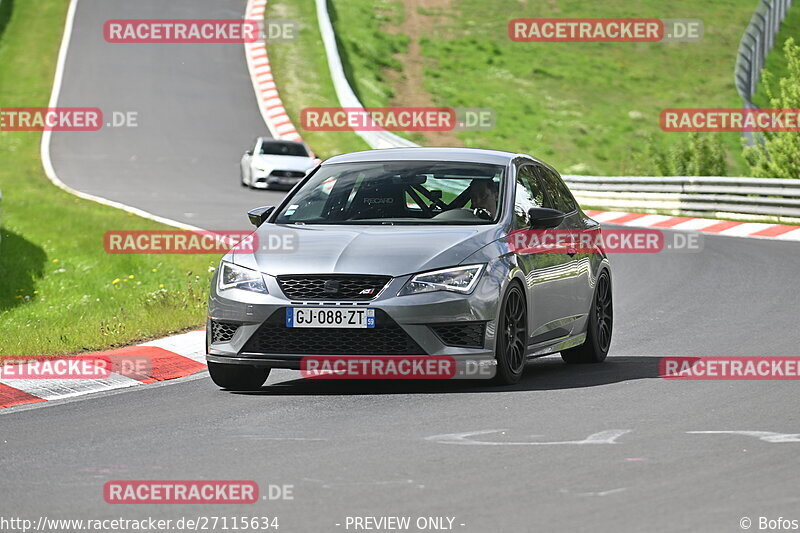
(543, 349)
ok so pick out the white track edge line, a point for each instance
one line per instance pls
(47, 163)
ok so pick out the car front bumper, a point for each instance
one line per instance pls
(426, 320)
(265, 181)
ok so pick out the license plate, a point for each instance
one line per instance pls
(329, 317)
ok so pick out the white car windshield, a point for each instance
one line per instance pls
(283, 148)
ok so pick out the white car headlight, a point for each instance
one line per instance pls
(459, 279)
(236, 277)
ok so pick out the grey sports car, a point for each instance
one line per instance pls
(411, 252)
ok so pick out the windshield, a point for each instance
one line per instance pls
(407, 192)
(283, 148)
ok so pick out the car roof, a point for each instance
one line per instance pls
(470, 155)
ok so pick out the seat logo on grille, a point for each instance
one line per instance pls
(331, 286)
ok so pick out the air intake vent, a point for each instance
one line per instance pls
(223, 331)
(461, 335)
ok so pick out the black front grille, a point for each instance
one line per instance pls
(463, 335)
(223, 331)
(332, 287)
(288, 174)
(386, 338)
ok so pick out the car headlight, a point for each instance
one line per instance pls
(458, 279)
(236, 277)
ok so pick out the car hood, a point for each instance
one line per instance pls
(388, 250)
(283, 162)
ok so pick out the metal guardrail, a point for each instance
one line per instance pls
(724, 197)
(758, 40)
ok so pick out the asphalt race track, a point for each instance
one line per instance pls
(196, 115)
(496, 459)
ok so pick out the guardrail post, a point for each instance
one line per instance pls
(758, 39)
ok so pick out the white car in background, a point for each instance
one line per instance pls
(272, 163)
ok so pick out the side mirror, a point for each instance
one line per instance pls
(545, 218)
(249, 152)
(259, 215)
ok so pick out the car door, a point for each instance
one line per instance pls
(576, 296)
(548, 274)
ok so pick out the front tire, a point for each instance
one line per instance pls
(598, 331)
(238, 377)
(512, 337)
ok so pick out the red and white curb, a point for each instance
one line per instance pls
(269, 101)
(169, 358)
(180, 355)
(702, 225)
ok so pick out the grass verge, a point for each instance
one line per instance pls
(301, 73)
(587, 108)
(60, 292)
(367, 45)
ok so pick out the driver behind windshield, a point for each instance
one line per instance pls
(483, 194)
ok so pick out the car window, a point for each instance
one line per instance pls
(314, 202)
(528, 194)
(398, 192)
(558, 193)
(283, 148)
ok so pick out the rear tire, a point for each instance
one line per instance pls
(238, 377)
(598, 330)
(512, 337)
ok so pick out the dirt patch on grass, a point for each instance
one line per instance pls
(423, 17)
